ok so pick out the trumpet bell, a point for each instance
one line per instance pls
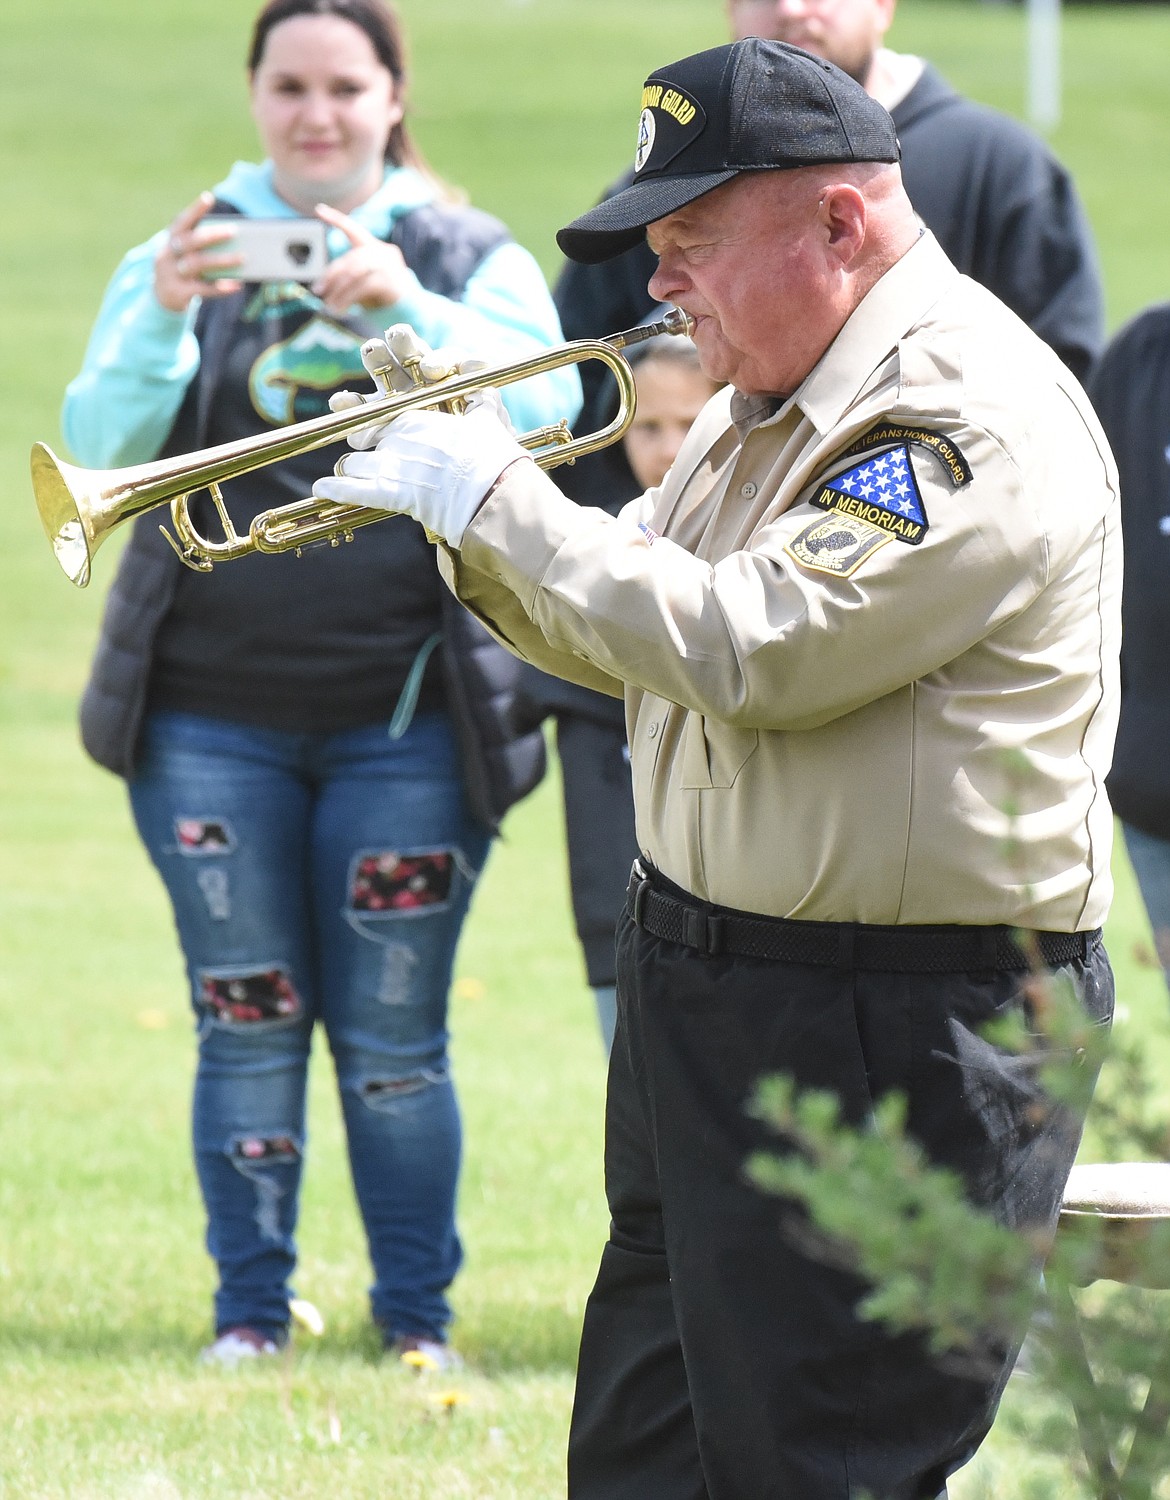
(60, 513)
(80, 507)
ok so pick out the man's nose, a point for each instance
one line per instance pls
(666, 282)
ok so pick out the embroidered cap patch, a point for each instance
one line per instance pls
(671, 119)
(881, 491)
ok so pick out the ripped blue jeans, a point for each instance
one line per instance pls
(318, 877)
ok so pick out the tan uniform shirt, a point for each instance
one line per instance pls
(853, 693)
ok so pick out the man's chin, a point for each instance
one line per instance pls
(715, 358)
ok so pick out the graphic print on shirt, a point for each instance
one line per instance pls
(294, 377)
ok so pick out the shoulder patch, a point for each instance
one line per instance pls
(881, 491)
(887, 434)
(837, 544)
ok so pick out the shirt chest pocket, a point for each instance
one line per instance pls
(713, 755)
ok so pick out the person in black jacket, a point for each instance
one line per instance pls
(1130, 388)
(1003, 208)
(1000, 204)
(317, 749)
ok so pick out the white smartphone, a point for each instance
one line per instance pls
(273, 249)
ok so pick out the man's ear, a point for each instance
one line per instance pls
(842, 211)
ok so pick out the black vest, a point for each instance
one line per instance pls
(388, 570)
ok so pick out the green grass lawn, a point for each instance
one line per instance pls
(113, 115)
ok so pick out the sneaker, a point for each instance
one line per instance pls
(234, 1345)
(424, 1354)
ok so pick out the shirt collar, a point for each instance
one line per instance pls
(749, 411)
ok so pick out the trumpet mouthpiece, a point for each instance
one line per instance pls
(679, 322)
(673, 321)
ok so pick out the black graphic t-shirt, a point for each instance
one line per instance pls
(320, 642)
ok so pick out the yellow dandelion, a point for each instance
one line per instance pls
(418, 1360)
(153, 1020)
(470, 989)
(307, 1316)
(447, 1401)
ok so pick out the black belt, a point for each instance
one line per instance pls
(846, 945)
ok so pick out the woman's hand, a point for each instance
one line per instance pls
(371, 273)
(184, 267)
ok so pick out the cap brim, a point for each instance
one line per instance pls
(617, 223)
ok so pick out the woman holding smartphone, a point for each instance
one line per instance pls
(317, 749)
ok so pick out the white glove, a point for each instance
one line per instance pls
(430, 465)
(390, 362)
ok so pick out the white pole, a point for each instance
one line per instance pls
(1044, 63)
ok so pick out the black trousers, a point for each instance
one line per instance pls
(719, 1361)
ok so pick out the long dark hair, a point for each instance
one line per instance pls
(381, 24)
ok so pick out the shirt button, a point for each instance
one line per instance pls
(748, 491)
(653, 731)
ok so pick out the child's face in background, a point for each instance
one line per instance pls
(670, 396)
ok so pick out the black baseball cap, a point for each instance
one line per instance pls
(750, 106)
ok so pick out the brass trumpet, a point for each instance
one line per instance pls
(80, 507)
